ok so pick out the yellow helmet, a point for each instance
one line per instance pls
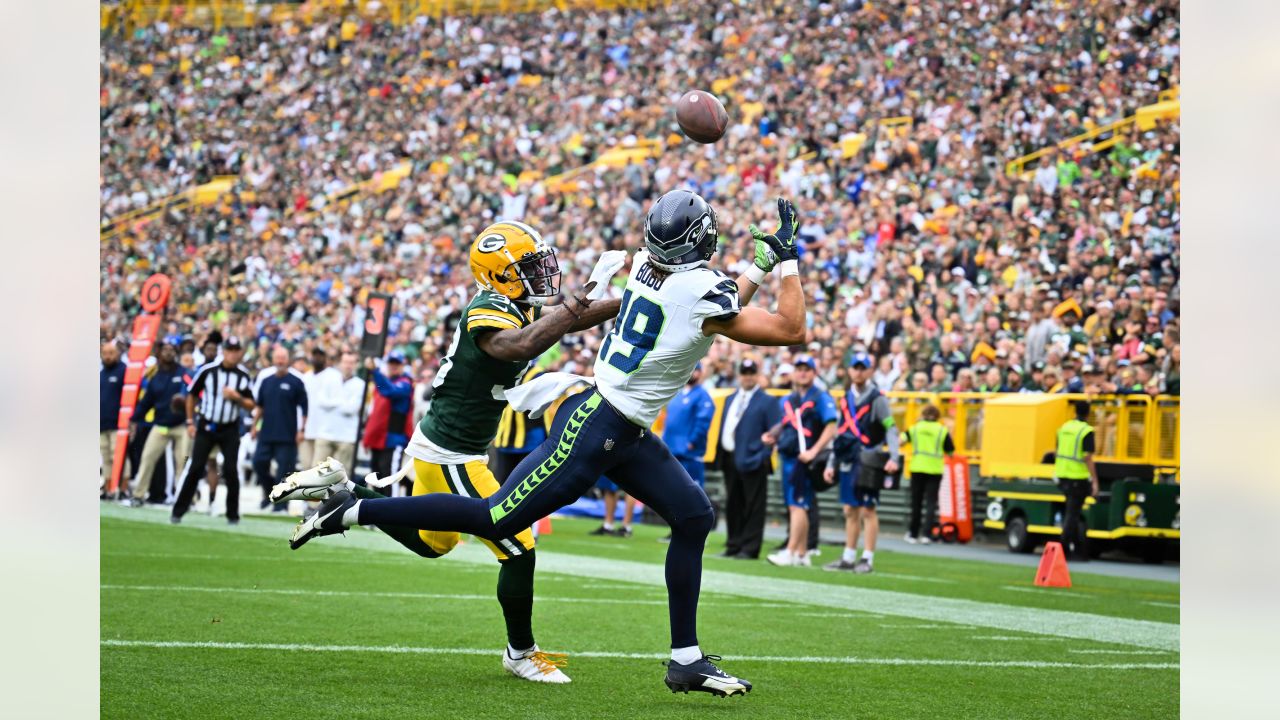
(511, 259)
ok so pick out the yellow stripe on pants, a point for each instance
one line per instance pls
(474, 479)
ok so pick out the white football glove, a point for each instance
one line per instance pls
(610, 262)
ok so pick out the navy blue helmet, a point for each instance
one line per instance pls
(680, 231)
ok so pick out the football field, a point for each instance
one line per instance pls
(204, 620)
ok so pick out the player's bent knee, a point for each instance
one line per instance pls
(697, 525)
(440, 543)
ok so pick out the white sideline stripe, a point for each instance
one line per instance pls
(1046, 590)
(1175, 606)
(1040, 638)
(1117, 652)
(914, 578)
(853, 660)
(403, 595)
(857, 615)
(795, 593)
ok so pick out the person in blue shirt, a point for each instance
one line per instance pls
(804, 436)
(165, 393)
(110, 385)
(282, 401)
(688, 422)
(390, 422)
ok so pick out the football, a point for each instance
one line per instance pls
(701, 116)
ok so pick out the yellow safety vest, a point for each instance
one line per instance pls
(1069, 456)
(927, 441)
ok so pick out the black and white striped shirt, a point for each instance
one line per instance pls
(207, 386)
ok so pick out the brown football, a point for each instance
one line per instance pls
(701, 116)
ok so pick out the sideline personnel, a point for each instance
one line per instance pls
(1077, 477)
(930, 444)
(224, 389)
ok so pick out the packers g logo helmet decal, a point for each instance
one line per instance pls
(511, 259)
(490, 243)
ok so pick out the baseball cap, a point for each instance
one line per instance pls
(1089, 369)
(395, 356)
(748, 367)
(232, 343)
(786, 369)
(807, 361)
(860, 358)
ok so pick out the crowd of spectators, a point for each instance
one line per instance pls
(917, 247)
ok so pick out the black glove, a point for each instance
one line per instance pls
(781, 245)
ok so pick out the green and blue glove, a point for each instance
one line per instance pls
(781, 245)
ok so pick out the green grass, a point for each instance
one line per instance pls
(198, 583)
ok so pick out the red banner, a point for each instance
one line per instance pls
(955, 505)
(155, 293)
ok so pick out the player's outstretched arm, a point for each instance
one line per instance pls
(769, 250)
(598, 312)
(577, 312)
(757, 326)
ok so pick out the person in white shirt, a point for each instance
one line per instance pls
(306, 449)
(338, 395)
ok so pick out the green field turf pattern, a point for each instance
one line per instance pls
(336, 630)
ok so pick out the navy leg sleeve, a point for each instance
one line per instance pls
(654, 476)
(433, 511)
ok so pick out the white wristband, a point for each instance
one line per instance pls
(755, 274)
(790, 267)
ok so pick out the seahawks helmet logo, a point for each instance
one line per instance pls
(491, 243)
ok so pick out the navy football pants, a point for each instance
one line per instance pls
(588, 438)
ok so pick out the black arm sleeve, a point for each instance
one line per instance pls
(948, 447)
(1086, 445)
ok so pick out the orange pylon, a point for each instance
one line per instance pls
(1053, 567)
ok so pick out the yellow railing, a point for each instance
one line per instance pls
(1132, 429)
(219, 14)
(204, 194)
(211, 192)
(1102, 138)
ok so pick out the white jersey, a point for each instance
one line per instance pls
(657, 339)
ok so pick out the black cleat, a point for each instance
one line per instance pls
(327, 520)
(703, 676)
(602, 530)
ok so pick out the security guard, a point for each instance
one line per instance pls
(930, 443)
(1077, 477)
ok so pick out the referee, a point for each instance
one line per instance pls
(224, 389)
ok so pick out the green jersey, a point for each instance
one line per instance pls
(467, 400)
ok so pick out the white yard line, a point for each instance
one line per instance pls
(795, 593)
(1100, 651)
(848, 660)
(1153, 603)
(399, 595)
(1046, 590)
(914, 578)
(1037, 638)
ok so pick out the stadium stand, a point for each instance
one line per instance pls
(984, 193)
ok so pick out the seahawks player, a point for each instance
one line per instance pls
(501, 330)
(672, 308)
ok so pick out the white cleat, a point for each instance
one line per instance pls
(536, 666)
(316, 483)
(781, 558)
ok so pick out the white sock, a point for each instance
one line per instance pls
(515, 654)
(686, 655)
(850, 555)
(351, 517)
(608, 525)
(868, 555)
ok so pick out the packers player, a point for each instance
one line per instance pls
(672, 309)
(501, 330)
